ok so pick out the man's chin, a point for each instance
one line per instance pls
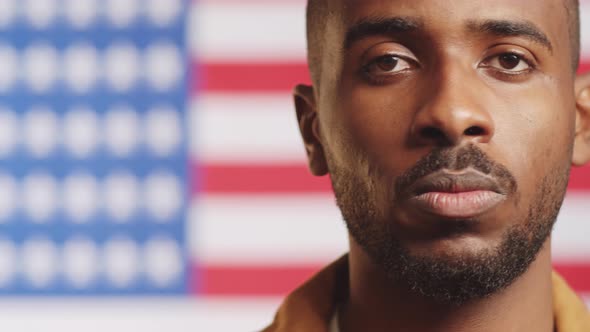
(459, 270)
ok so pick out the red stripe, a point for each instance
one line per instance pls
(279, 281)
(250, 280)
(580, 178)
(258, 179)
(295, 178)
(270, 2)
(577, 275)
(237, 77)
(584, 66)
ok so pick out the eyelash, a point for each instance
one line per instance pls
(532, 66)
(381, 79)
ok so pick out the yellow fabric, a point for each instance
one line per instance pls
(311, 306)
(571, 315)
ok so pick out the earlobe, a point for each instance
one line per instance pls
(307, 118)
(581, 153)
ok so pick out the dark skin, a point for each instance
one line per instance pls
(449, 79)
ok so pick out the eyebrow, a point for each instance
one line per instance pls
(374, 26)
(507, 28)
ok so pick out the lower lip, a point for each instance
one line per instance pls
(458, 205)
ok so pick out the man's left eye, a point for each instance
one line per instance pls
(509, 62)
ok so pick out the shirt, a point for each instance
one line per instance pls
(334, 327)
(311, 307)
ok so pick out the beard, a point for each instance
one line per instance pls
(450, 278)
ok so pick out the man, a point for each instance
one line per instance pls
(448, 129)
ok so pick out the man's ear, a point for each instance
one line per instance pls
(582, 137)
(307, 117)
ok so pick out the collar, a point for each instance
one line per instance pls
(311, 306)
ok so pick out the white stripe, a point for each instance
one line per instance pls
(248, 32)
(585, 30)
(139, 314)
(272, 31)
(245, 128)
(570, 241)
(241, 230)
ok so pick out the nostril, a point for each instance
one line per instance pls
(474, 131)
(432, 133)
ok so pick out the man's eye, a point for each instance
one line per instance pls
(387, 64)
(509, 62)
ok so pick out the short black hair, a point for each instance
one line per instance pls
(317, 18)
(573, 12)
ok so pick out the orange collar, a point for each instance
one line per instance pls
(570, 312)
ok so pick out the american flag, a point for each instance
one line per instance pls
(152, 174)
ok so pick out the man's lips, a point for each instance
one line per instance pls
(456, 195)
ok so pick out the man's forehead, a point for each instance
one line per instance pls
(446, 6)
(549, 14)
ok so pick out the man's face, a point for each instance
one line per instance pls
(447, 128)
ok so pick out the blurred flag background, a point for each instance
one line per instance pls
(151, 171)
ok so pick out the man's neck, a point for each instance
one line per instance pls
(374, 304)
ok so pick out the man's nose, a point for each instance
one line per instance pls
(453, 113)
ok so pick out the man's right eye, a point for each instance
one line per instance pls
(387, 65)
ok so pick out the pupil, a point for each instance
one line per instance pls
(509, 61)
(388, 63)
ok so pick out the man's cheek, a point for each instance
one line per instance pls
(534, 142)
(354, 132)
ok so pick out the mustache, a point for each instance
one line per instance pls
(456, 159)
